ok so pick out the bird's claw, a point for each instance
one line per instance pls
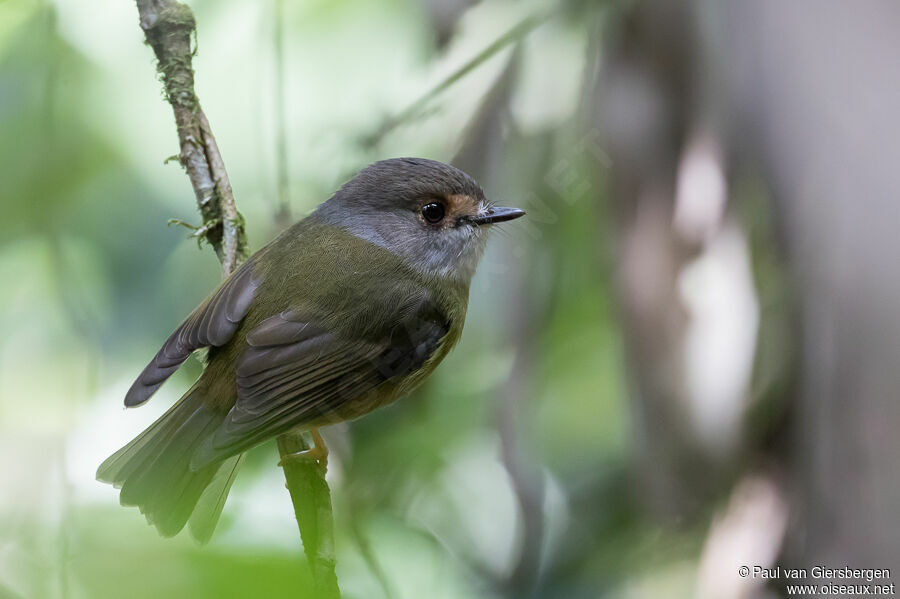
(318, 453)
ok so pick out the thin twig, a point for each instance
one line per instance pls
(169, 29)
(417, 108)
(283, 211)
(369, 556)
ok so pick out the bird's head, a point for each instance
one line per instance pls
(432, 215)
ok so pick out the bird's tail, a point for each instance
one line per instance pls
(154, 471)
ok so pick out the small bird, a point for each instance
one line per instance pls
(345, 311)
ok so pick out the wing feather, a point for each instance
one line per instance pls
(212, 324)
(295, 372)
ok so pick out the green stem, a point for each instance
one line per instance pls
(418, 107)
(312, 508)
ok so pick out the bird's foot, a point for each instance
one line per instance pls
(318, 453)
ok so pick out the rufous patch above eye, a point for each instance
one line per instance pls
(461, 205)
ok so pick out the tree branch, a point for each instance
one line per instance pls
(169, 28)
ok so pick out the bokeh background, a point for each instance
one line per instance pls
(684, 360)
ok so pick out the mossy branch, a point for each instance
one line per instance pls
(169, 29)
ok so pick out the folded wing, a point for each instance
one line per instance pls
(212, 324)
(295, 371)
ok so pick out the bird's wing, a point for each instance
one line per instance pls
(212, 324)
(295, 371)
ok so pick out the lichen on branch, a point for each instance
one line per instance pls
(169, 29)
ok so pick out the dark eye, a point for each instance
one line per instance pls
(433, 213)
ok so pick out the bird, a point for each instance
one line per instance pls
(345, 311)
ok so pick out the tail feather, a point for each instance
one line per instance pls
(153, 471)
(206, 514)
(118, 467)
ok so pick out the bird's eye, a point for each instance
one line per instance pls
(433, 213)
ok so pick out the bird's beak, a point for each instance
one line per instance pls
(497, 214)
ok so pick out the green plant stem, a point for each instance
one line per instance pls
(283, 211)
(418, 107)
(312, 508)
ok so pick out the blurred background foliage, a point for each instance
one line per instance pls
(614, 422)
(94, 280)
